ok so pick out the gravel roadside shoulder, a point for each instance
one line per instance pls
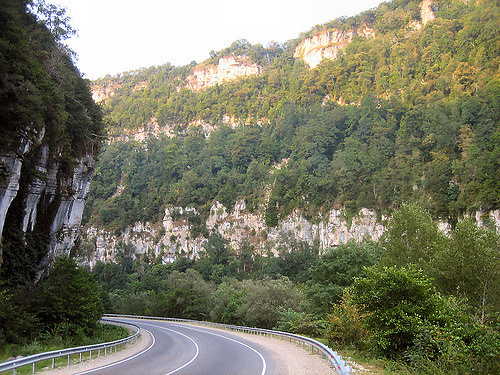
(292, 359)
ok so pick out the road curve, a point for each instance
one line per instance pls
(183, 349)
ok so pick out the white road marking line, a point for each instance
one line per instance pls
(189, 338)
(264, 364)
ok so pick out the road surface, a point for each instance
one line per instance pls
(183, 349)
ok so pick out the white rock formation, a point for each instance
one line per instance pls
(238, 226)
(228, 68)
(327, 44)
(12, 162)
(66, 224)
(426, 11)
(173, 237)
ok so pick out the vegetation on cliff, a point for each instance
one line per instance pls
(45, 105)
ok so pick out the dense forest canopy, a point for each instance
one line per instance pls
(411, 114)
(43, 96)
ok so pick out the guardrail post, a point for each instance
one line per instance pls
(53, 362)
(34, 367)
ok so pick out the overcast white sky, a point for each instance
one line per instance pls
(120, 35)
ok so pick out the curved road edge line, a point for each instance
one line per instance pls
(264, 364)
(153, 341)
(192, 359)
(186, 336)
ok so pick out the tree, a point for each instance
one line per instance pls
(216, 249)
(187, 295)
(16, 323)
(54, 18)
(469, 267)
(412, 237)
(68, 301)
(263, 300)
(399, 304)
(295, 258)
(336, 270)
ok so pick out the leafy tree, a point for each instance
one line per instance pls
(399, 303)
(69, 301)
(300, 323)
(411, 237)
(346, 324)
(264, 299)
(227, 301)
(335, 270)
(17, 324)
(295, 259)
(187, 295)
(469, 267)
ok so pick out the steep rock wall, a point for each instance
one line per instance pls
(327, 44)
(12, 162)
(174, 237)
(66, 224)
(50, 196)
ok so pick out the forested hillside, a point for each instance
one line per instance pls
(408, 113)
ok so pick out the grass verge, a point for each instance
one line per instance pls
(46, 343)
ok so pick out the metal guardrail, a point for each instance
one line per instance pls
(335, 359)
(107, 347)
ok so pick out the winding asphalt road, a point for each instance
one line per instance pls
(183, 349)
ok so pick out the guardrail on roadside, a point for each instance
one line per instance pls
(314, 345)
(107, 347)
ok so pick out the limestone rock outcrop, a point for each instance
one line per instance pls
(228, 68)
(175, 236)
(427, 11)
(327, 44)
(50, 196)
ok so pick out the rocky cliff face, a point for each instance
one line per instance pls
(228, 68)
(42, 197)
(427, 11)
(11, 162)
(173, 237)
(326, 45)
(66, 224)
